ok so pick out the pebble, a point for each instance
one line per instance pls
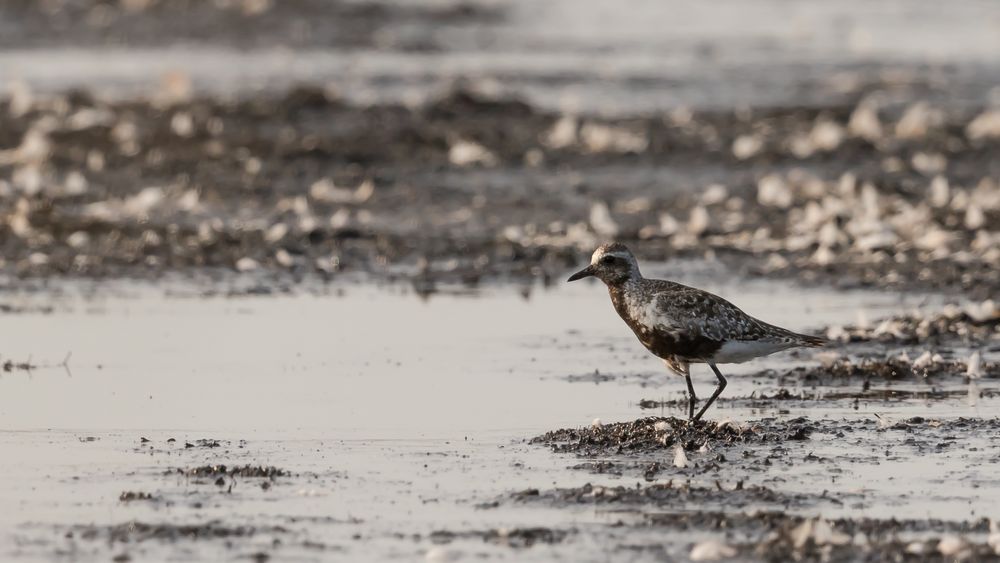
(680, 458)
(711, 550)
(246, 264)
(468, 153)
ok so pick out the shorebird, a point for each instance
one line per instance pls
(683, 325)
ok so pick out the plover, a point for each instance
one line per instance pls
(682, 325)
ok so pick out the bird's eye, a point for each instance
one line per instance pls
(608, 260)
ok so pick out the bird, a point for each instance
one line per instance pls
(684, 325)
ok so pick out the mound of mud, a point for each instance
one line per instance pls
(658, 433)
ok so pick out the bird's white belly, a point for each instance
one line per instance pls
(738, 351)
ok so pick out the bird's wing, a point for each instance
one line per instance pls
(699, 314)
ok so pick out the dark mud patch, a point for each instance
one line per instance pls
(670, 494)
(600, 467)
(867, 370)
(515, 537)
(659, 433)
(597, 377)
(250, 471)
(980, 427)
(867, 395)
(11, 365)
(135, 531)
(770, 520)
(221, 475)
(19, 309)
(649, 470)
(173, 445)
(203, 443)
(129, 496)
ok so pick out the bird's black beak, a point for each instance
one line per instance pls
(586, 272)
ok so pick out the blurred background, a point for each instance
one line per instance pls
(446, 142)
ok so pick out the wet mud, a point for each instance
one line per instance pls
(733, 519)
(739, 487)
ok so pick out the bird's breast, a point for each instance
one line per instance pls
(656, 333)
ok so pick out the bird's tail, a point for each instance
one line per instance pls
(811, 341)
(797, 339)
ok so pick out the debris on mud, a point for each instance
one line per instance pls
(11, 309)
(659, 433)
(10, 365)
(643, 379)
(778, 536)
(134, 531)
(600, 467)
(514, 537)
(436, 192)
(898, 368)
(973, 323)
(128, 496)
(258, 471)
(202, 443)
(986, 427)
(806, 395)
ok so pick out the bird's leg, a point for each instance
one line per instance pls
(718, 391)
(692, 399)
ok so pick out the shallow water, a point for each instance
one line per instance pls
(367, 361)
(396, 417)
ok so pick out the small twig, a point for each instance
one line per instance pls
(65, 363)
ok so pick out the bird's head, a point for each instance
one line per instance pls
(613, 264)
